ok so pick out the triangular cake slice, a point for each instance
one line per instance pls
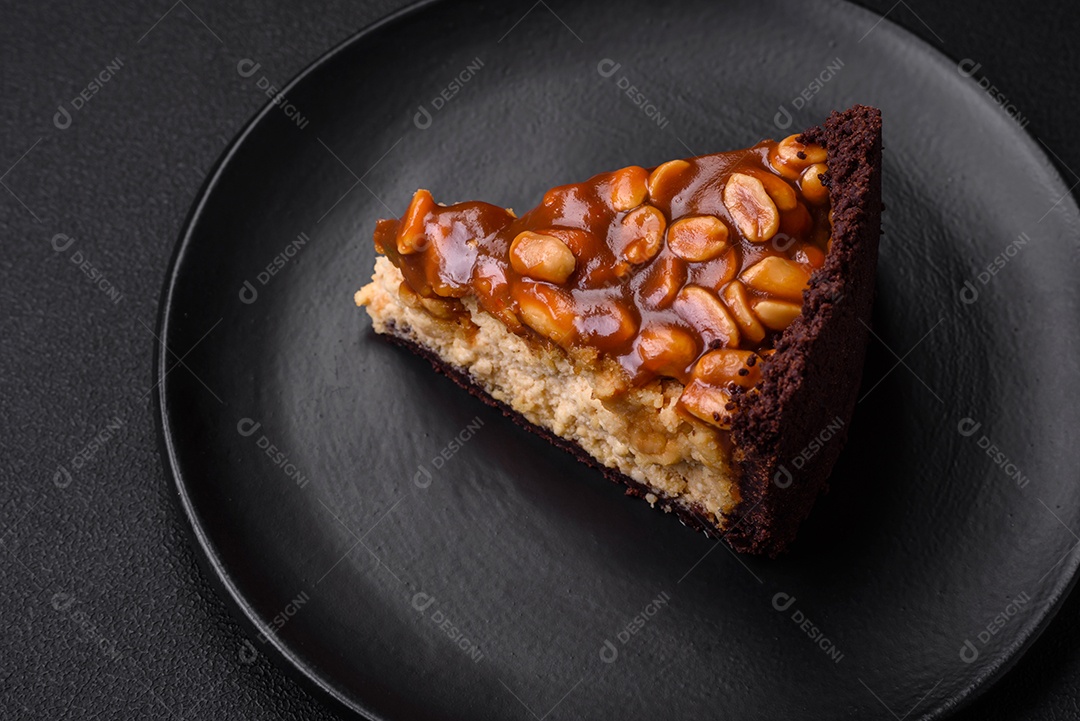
(696, 330)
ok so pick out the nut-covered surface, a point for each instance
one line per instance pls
(700, 254)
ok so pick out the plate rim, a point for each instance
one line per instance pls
(208, 558)
(279, 653)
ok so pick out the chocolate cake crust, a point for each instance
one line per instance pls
(813, 379)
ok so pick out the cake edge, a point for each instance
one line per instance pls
(814, 378)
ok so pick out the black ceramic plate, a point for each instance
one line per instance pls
(414, 555)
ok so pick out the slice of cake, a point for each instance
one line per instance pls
(695, 330)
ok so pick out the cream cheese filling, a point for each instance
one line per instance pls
(639, 431)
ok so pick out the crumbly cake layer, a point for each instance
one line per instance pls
(674, 461)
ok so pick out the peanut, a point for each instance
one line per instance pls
(664, 176)
(666, 350)
(647, 225)
(812, 188)
(541, 257)
(777, 276)
(662, 283)
(782, 194)
(547, 310)
(698, 238)
(703, 310)
(735, 296)
(723, 367)
(628, 187)
(753, 210)
(784, 157)
(609, 323)
(412, 237)
(792, 152)
(810, 255)
(707, 403)
(777, 314)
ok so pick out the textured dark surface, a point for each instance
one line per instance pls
(920, 547)
(140, 633)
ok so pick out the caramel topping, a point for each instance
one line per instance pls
(658, 269)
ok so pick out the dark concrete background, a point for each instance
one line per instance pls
(106, 613)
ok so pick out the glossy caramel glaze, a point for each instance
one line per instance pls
(622, 295)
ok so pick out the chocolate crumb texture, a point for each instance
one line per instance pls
(815, 373)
